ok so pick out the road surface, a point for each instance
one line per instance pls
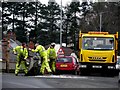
(9, 80)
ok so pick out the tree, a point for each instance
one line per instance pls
(72, 12)
(109, 12)
(19, 18)
(49, 22)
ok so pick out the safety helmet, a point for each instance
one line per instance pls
(36, 44)
(52, 44)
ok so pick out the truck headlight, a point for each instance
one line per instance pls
(83, 66)
(110, 67)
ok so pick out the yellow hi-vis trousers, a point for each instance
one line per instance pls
(19, 65)
(52, 65)
(44, 65)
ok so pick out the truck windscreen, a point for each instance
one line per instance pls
(98, 43)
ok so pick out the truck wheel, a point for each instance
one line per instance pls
(84, 72)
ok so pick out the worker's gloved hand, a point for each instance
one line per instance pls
(48, 60)
(15, 53)
(27, 63)
(25, 59)
(30, 49)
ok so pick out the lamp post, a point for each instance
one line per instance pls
(61, 26)
(101, 13)
(100, 21)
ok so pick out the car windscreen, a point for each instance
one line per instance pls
(64, 60)
(96, 43)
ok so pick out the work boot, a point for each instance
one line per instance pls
(16, 74)
(26, 74)
(50, 73)
(54, 73)
(41, 74)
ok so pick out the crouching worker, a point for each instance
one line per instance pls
(22, 55)
(44, 60)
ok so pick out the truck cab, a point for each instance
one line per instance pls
(98, 50)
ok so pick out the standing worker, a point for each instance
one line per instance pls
(52, 57)
(22, 55)
(43, 54)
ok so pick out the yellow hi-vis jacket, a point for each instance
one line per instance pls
(19, 50)
(51, 53)
(41, 50)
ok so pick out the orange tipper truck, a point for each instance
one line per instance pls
(98, 51)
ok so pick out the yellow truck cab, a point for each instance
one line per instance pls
(98, 51)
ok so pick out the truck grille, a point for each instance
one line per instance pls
(102, 59)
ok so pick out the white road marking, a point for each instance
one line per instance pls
(60, 76)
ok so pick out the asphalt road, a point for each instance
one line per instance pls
(58, 81)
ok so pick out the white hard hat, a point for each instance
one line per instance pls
(52, 44)
(36, 44)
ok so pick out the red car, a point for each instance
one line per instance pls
(67, 63)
